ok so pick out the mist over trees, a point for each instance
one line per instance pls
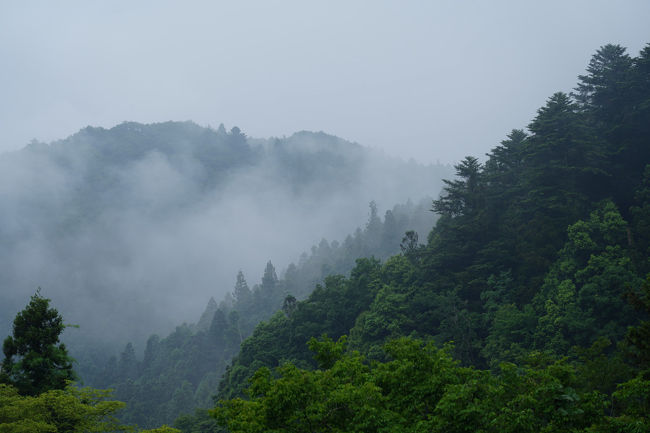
(34, 359)
(37, 392)
(534, 281)
(134, 228)
(525, 309)
(181, 372)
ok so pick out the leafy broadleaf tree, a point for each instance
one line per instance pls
(35, 361)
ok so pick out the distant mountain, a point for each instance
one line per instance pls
(131, 229)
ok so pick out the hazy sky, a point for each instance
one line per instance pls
(432, 80)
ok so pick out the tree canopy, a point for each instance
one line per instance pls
(34, 359)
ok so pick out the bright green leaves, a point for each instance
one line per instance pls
(419, 389)
(582, 297)
(340, 398)
(36, 394)
(69, 410)
(327, 352)
(516, 263)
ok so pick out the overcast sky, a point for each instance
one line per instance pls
(429, 80)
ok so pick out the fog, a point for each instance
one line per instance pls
(432, 80)
(139, 244)
(132, 239)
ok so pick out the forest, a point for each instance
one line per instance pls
(526, 308)
(92, 217)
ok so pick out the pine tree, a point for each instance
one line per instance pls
(128, 363)
(218, 328)
(241, 293)
(604, 90)
(461, 196)
(390, 235)
(35, 361)
(373, 231)
(270, 278)
(208, 314)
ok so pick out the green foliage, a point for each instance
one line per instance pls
(421, 389)
(69, 410)
(163, 429)
(59, 410)
(340, 398)
(331, 309)
(638, 337)
(535, 250)
(526, 271)
(36, 392)
(326, 352)
(198, 422)
(34, 360)
(583, 293)
(181, 372)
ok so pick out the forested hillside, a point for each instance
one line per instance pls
(534, 280)
(133, 228)
(525, 309)
(181, 372)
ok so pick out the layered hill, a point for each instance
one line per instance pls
(130, 230)
(534, 279)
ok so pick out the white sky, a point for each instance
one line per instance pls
(430, 80)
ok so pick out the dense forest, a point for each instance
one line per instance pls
(181, 372)
(525, 309)
(115, 223)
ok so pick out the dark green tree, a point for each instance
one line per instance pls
(241, 293)
(638, 337)
(270, 278)
(605, 88)
(289, 305)
(461, 196)
(409, 244)
(128, 363)
(218, 328)
(35, 361)
(373, 230)
(390, 235)
(615, 94)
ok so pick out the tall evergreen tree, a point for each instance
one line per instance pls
(35, 361)
(461, 196)
(218, 328)
(270, 278)
(615, 93)
(128, 363)
(605, 89)
(390, 236)
(206, 318)
(241, 293)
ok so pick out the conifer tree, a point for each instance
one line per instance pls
(270, 278)
(128, 363)
(241, 293)
(604, 90)
(461, 196)
(208, 314)
(35, 361)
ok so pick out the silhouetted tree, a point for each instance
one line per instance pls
(241, 293)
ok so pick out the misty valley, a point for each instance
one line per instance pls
(174, 277)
